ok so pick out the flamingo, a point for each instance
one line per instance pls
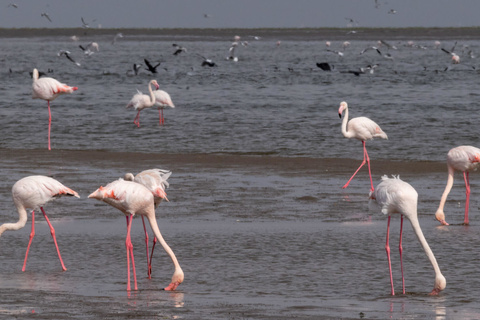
(465, 159)
(162, 101)
(34, 192)
(363, 129)
(397, 196)
(141, 101)
(156, 181)
(48, 89)
(133, 198)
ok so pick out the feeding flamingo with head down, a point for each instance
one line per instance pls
(141, 101)
(396, 196)
(154, 180)
(133, 198)
(363, 129)
(465, 159)
(48, 89)
(33, 193)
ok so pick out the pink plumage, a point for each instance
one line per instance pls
(34, 192)
(141, 101)
(48, 89)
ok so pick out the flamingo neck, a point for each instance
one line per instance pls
(152, 96)
(22, 220)
(346, 133)
(448, 187)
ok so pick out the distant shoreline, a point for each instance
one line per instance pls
(213, 34)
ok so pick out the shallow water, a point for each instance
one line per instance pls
(257, 216)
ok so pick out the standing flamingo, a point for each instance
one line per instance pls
(31, 193)
(133, 198)
(48, 89)
(141, 101)
(154, 180)
(162, 101)
(363, 129)
(397, 196)
(465, 159)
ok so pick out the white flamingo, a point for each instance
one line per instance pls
(162, 101)
(141, 101)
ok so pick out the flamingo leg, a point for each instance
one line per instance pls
(151, 257)
(161, 120)
(52, 232)
(32, 234)
(137, 119)
(146, 245)
(400, 249)
(49, 123)
(129, 246)
(365, 155)
(467, 192)
(387, 248)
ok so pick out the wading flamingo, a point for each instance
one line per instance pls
(162, 101)
(363, 129)
(156, 181)
(141, 101)
(465, 159)
(48, 89)
(133, 198)
(34, 192)
(397, 196)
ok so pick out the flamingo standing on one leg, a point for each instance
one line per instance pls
(141, 101)
(363, 129)
(397, 196)
(465, 159)
(162, 101)
(48, 89)
(156, 181)
(31, 193)
(133, 198)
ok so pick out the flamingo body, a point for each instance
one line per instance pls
(464, 159)
(133, 198)
(395, 196)
(362, 129)
(141, 101)
(162, 101)
(48, 89)
(33, 192)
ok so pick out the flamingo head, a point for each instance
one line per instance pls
(177, 279)
(343, 106)
(440, 284)
(440, 216)
(155, 84)
(128, 177)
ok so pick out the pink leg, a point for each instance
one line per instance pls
(467, 192)
(361, 165)
(129, 246)
(160, 116)
(32, 234)
(387, 248)
(146, 245)
(368, 163)
(49, 123)
(137, 119)
(52, 232)
(400, 249)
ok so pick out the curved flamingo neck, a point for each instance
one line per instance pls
(152, 96)
(346, 133)
(447, 190)
(22, 220)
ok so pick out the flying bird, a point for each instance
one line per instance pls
(13, 5)
(455, 57)
(48, 89)
(89, 49)
(465, 159)
(33, 192)
(67, 53)
(363, 129)
(325, 66)
(371, 48)
(135, 70)
(141, 101)
(44, 14)
(231, 51)
(395, 196)
(207, 62)
(154, 180)
(150, 67)
(135, 199)
(118, 35)
(178, 49)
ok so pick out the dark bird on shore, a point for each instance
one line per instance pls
(44, 14)
(151, 68)
(178, 49)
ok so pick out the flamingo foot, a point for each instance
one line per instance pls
(172, 286)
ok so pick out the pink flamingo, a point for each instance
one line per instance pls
(363, 129)
(141, 101)
(397, 196)
(162, 101)
(48, 89)
(31, 193)
(133, 198)
(154, 180)
(465, 159)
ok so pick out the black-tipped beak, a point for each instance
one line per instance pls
(340, 115)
